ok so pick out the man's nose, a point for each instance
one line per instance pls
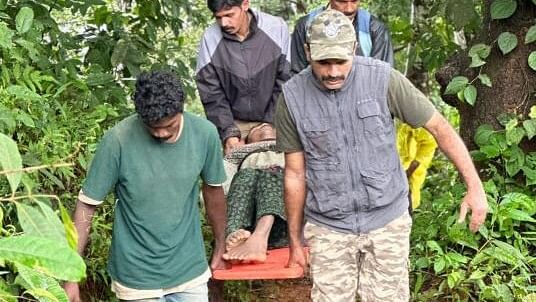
(225, 22)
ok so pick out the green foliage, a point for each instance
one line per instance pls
(40, 255)
(507, 42)
(10, 160)
(495, 264)
(469, 94)
(68, 68)
(532, 60)
(456, 85)
(531, 35)
(502, 9)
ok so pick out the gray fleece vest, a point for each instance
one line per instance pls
(355, 182)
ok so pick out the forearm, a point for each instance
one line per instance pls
(214, 100)
(216, 211)
(83, 215)
(294, 196)
(452, 145)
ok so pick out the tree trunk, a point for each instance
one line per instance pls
(513, 81)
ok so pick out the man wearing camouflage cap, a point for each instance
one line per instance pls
(334, 123)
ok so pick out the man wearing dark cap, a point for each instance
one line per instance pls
(343, 174)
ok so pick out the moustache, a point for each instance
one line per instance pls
(228, 29)
(330, 78)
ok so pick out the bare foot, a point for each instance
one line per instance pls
(235, 238)
(253, 249)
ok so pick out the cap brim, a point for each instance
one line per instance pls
(342, 51)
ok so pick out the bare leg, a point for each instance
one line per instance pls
(253, 249)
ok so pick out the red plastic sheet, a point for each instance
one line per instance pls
(273, 268)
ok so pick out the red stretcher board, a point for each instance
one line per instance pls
(273, 268)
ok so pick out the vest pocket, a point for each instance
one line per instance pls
(378, 149)
(327, 188)
(378, 186)
(373, 125)
(317, 144)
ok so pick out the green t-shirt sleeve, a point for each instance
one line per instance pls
(287, 139)
(104, 170)
(406, 102)
(213, 172)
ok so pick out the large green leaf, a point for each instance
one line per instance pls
(516, 160)
(483, 134)
(6, 36)
(21, 92)
(485, 79)
(10, 160)
(70, 230)
(41, 221)
(481, 50)
(531, 35)
(41, 286)
(514, 136)
(532, 60)
(470, 94)
(510, 249)
(24, 20)
(507, 42)
(53, 259)
(476, 61)
(454, 279)
(521, 216)
(456, 85)
(502, 9)
(530, 128)
(532, 113)
(504, 294)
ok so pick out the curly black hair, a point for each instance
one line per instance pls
(216, 5)
(158, 95)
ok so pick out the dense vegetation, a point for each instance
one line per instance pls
(67, 72)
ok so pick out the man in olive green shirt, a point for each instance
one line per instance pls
(153, 161)
(342, 171)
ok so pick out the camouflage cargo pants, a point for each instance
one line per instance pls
(375, 265)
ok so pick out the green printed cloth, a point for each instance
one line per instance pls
(255, 193)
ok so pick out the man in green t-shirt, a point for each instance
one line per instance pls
(153, 160)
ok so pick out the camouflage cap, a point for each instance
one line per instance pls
(331, 35)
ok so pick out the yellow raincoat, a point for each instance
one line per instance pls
(419, 145)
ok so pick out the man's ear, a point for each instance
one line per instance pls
(307, 52)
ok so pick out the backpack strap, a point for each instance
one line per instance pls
(363, 28)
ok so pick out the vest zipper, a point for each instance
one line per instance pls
(352, 178)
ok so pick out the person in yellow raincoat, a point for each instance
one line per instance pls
(416, 148)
